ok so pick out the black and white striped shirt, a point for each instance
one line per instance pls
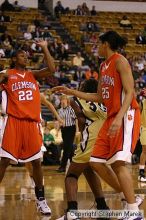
(68, 115)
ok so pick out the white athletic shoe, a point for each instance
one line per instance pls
(42, 207)
(69, 216)
(142, 178)
(139, 200)
(134, 218)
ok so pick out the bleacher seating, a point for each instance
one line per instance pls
(109, 20)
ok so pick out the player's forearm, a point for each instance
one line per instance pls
(53, 110)
(93, 97)
(49, 60)
(126, 104)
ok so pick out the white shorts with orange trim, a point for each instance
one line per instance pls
(111, 149)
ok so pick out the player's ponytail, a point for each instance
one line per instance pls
(114, 40)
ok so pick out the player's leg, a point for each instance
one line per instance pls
(107, 174)
(32, 143)
(142, 177)
(124, 177)
(71, 183)
(95, 185)
(39, 187)
(4, 163)
(37, 173)
(71, 186)
(29, 168)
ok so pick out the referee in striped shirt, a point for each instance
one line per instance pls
(68, 131)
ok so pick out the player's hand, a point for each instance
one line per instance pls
(42, 43)
(3, 77)
(115, 127)
(62, 89)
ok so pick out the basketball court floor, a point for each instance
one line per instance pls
(17, 200)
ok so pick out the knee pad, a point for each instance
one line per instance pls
(72, 175)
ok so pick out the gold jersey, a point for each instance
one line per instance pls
(143, 114)
(95, 115)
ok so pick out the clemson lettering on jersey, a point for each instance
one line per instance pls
(113, 93)
(21, 96)
(23, 85)
(107, 80)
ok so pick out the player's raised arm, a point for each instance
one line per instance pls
(49, 61)
(93, 97)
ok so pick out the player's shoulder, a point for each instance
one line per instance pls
(120, 58)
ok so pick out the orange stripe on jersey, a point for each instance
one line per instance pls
(111, 85)
(23, 96)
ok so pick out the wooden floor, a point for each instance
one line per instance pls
(17, 200)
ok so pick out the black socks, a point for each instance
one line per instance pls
(39, 192)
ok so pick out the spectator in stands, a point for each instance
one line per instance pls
(48, 138)
(143, 73)
(93, 12)
(37, 22)
(7, 47)
(27, 35)
(54, 48)
(6, 35)
(144, 33)
(46, 23)
(135, 72)
(47, 35)
(85, 38)
(31, 28)
(63, 79)
(78, 60)
(83, 26)
(4, 18)
(7, 6)
(56, 132)
(22, 27)
(2, 52)
(140, 64)
(141, 38)
(1, 66)
(3, 28)
(92, 26)
(93, 38)
(85, 9)
(78, 10)
(57, 72)
(52, 156)
(94, 50)
(37, 34)
(35, 47)
(59, 9)
(18, 7)
(91, 73)
(125, 22)
(62, 52)
(26, 47)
